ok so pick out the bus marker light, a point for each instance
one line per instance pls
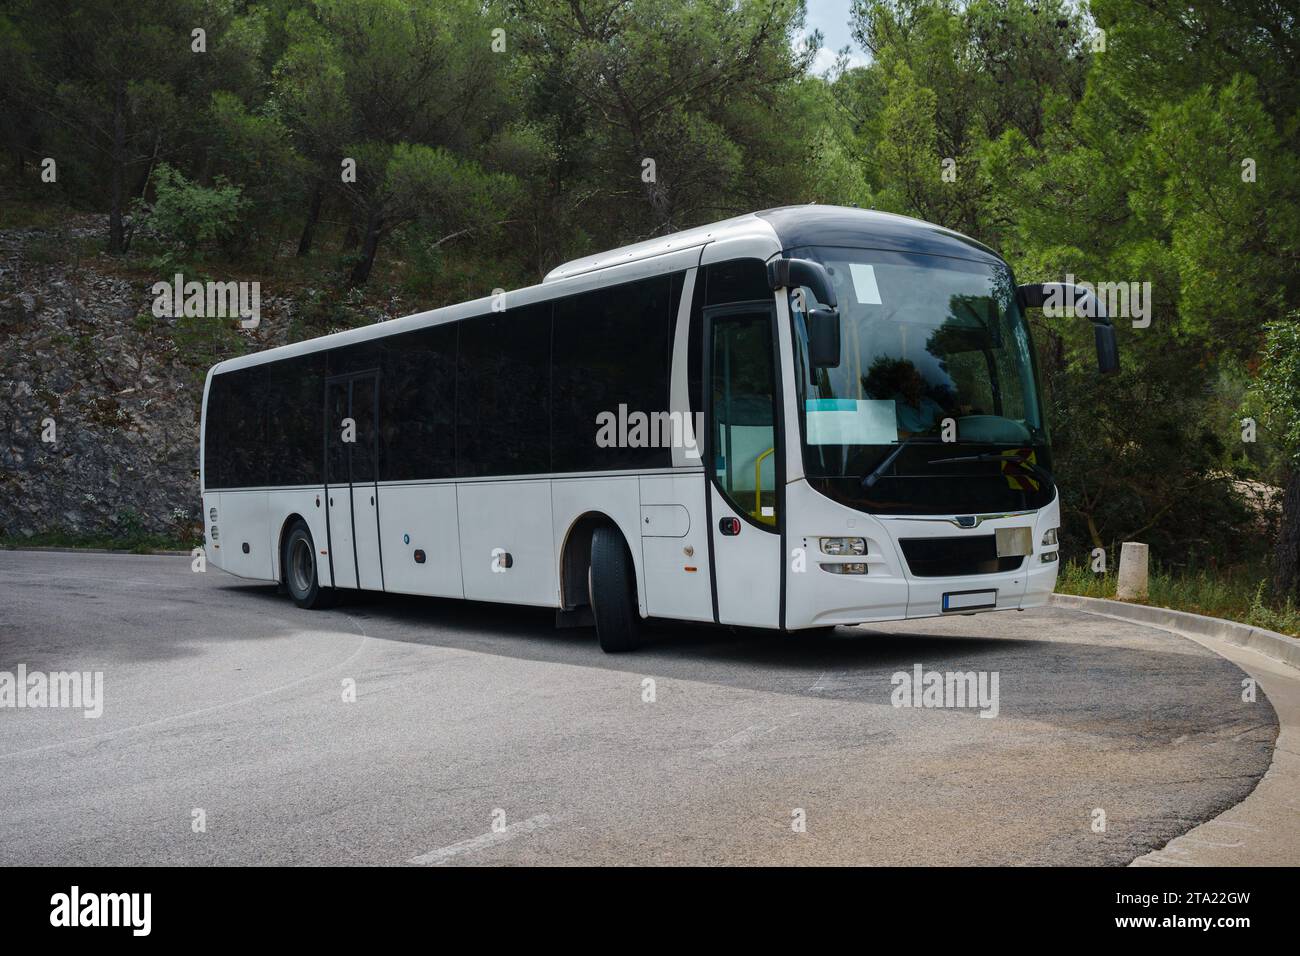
(419, 556)
(689, 569)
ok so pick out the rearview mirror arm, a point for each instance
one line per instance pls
(1082, 301)
(793, 273)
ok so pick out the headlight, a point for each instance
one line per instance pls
(856, 567)
(1050, 537)
(214, 533)
(844, 545)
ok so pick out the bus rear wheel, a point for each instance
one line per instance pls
(300, 577)
(612, 585)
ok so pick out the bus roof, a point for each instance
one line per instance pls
(798, 226)
(790, 227)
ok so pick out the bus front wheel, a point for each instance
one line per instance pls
(300, 577)
(613, 593)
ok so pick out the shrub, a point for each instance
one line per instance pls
(192, 215)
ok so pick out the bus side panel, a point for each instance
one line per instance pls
(420, 518)
(617, 497)
(673, 522)
(507, 517)
(245, 550)
(303, 502)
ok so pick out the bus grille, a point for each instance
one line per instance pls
(947, 557)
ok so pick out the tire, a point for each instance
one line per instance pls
(299, 563)
(612, 583)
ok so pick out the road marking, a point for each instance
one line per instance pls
(744, 738)
(482, 842)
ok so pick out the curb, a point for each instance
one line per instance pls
(1269, 643)
(9, 547)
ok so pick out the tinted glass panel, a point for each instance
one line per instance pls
(417, 399)
(235, 447)
(737, 281)
(360, 357)
(613, 347)
(294, 420)
(336, 411)
(264, 425)
(363, 414)
(503, 393)
(744, 439)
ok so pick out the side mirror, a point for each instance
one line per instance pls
(1079, 300)
(823, 323)
(793, 273)
(1107, 349)
(823, 338)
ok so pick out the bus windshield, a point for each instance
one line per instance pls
(934, 406)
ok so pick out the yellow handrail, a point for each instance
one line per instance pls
(758, 483)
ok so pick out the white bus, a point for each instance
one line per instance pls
(873, 445)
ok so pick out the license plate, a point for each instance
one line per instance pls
(1014, 542)
(969, 600)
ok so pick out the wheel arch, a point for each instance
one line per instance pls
(280, 540)
(575, 560)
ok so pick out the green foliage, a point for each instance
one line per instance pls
(137, 541)
(1234, 594)
(1284, 619)
(192, 215)
(1276, 394)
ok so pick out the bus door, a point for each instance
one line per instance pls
(351, 473)
(744, 462)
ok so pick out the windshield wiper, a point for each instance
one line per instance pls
(1022, 460)
(871, 477)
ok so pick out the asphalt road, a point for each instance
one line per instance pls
(224, 698)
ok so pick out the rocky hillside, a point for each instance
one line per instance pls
(124, 408)
(80, 348)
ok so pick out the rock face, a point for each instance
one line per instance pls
(100, 399)
(98, 418)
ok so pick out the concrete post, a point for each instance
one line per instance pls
(1132, 585)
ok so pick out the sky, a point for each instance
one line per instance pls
(832, 18)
